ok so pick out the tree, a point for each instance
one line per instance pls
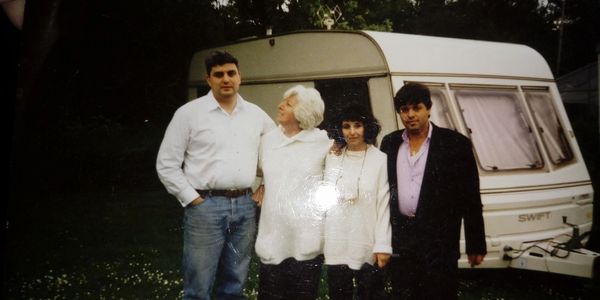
(581, 32)
(248, 18)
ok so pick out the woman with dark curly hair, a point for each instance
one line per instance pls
(357, 227)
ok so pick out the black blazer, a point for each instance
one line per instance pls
(449, 194)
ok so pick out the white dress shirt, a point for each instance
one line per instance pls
(291, 220)
(207, 148)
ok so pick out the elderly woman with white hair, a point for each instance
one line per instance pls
(290, 231)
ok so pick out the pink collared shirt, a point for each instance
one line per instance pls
(410, 171)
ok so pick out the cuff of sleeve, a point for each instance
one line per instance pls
(382, 249)
(186, 196)
(476, 249)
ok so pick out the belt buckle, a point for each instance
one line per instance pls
(230, 193)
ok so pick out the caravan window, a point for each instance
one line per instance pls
(440, 114)
(502, 138)
(337, 93)
(548, 124)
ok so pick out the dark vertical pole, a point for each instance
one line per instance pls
(560, 37)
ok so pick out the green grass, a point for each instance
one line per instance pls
(96, 246)
(127, 245)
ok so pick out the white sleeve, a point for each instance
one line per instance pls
(383, 228)
(268, 123)
(170, 159)
(332, 169)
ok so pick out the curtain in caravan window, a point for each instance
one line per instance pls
(549, 126)
(439, 109)
(500, 134)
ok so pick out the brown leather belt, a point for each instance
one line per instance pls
(224, 193)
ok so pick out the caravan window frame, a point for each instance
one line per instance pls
(441, 93)
(551, 144)
(532, 156)
(338, 93)
(438, 89)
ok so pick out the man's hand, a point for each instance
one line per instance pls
(258, 195)
(475, 259)
(381, 259)
(336, 149)
(196, 201)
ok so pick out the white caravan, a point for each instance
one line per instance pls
(535, 187)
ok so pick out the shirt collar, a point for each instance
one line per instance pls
(310, 135)
(405, 133)
(214, 104)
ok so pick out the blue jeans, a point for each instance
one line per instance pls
(218, 235)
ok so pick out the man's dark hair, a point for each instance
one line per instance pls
(219, 58)
(412, 93)
(356, 113)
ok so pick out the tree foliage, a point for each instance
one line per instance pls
(530, 22)
(90, 68)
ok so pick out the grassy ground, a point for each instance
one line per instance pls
(103, 227)
(128, 246)
(97, 246)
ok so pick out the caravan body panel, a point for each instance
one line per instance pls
(426, 55)
(531, 182)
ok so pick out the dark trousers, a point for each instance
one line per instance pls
(291, 279)
(418, 276)
(369, 282)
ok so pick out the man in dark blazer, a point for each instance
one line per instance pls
(434, 185)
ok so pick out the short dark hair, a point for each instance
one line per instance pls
(355, 112)
(219, 58)
(412, 93)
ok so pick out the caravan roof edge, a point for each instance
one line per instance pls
(334, 53)
(410, 53)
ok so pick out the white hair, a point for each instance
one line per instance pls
(310, 108)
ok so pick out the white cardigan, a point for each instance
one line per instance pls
(356, 228)
(291, 220)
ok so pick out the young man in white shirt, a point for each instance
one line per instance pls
(208, 160)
